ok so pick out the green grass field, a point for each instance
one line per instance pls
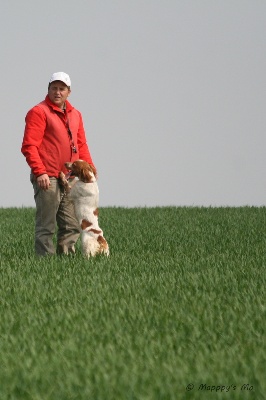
(180, 301)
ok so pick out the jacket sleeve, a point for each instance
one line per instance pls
(84, 152)
(33, 135)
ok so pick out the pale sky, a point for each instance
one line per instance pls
(172, 94)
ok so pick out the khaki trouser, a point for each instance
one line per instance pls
(53, 208)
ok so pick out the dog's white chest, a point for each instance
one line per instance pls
(85, 191)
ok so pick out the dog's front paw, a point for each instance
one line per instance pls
(63, 181)
(62, 176)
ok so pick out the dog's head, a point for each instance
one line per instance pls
(84, 171)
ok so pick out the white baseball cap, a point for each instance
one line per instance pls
(61, 76)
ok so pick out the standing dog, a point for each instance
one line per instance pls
(84, 194)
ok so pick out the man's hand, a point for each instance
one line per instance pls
(43, 181)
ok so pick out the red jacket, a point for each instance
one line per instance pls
(47, 143)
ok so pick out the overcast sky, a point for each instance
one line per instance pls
(172, 94)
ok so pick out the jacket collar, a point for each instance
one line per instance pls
(69, 107)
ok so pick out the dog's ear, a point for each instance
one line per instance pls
(85, 175)
(93, 169)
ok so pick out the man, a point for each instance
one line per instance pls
(54, 134)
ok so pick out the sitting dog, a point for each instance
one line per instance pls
(84, 194)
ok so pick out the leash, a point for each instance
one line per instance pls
(65, 120)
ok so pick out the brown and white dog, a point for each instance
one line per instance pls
(84, 194)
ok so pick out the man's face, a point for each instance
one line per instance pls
(58, 92)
